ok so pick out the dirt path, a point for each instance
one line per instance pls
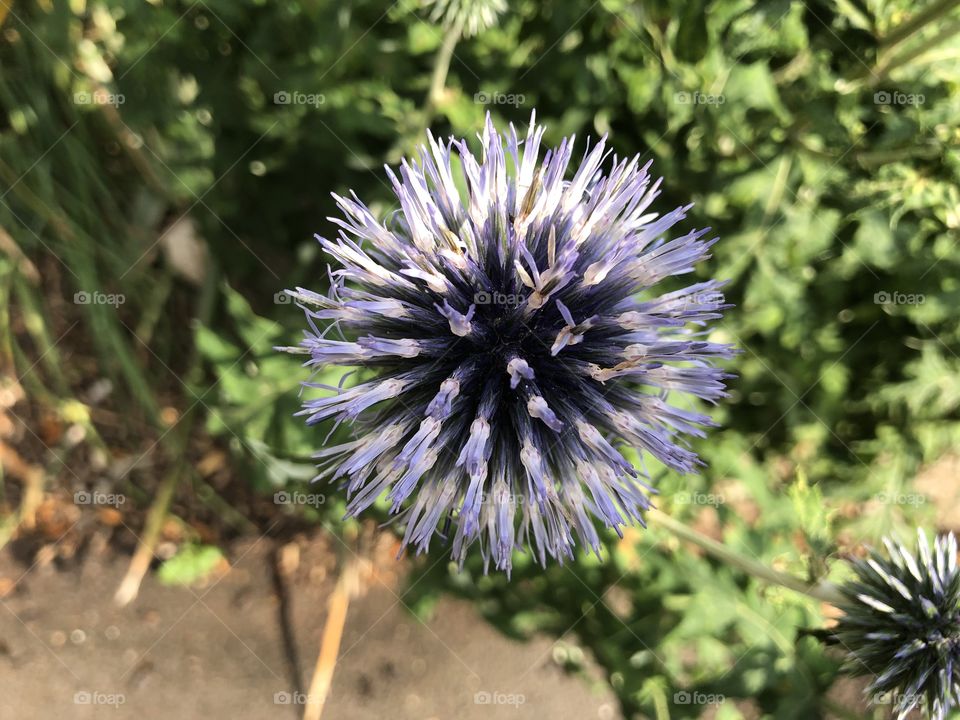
(219, 651)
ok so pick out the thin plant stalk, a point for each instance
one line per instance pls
(919, 21)
(130, 585)
(946, 32)
(823, 591)
(441, 65)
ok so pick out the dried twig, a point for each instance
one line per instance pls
(140, 564)
(346, 587)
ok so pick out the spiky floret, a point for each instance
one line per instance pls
(901, 623)
(471, 16)
(506, 321)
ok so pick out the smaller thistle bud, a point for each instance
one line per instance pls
(472, 16)
(901, 623)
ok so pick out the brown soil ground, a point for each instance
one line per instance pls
(226, 649)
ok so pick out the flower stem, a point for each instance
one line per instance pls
(408, 143)
(441, 66)
(823, 591)
(887, 61)
(947, 31)
(916, 23)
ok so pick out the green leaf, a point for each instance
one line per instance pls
(752, 86)
(873, 241)
(258, 332)
(191, 564)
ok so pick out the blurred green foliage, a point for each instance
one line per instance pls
(819, 139)
(191, 564)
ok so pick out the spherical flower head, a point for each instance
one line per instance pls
(901, 623)
(510, 344)
(471, 16)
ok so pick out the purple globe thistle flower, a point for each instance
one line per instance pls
(901, 623)
(506, 318)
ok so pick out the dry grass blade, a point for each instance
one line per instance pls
(140, 564)
(330, 643)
